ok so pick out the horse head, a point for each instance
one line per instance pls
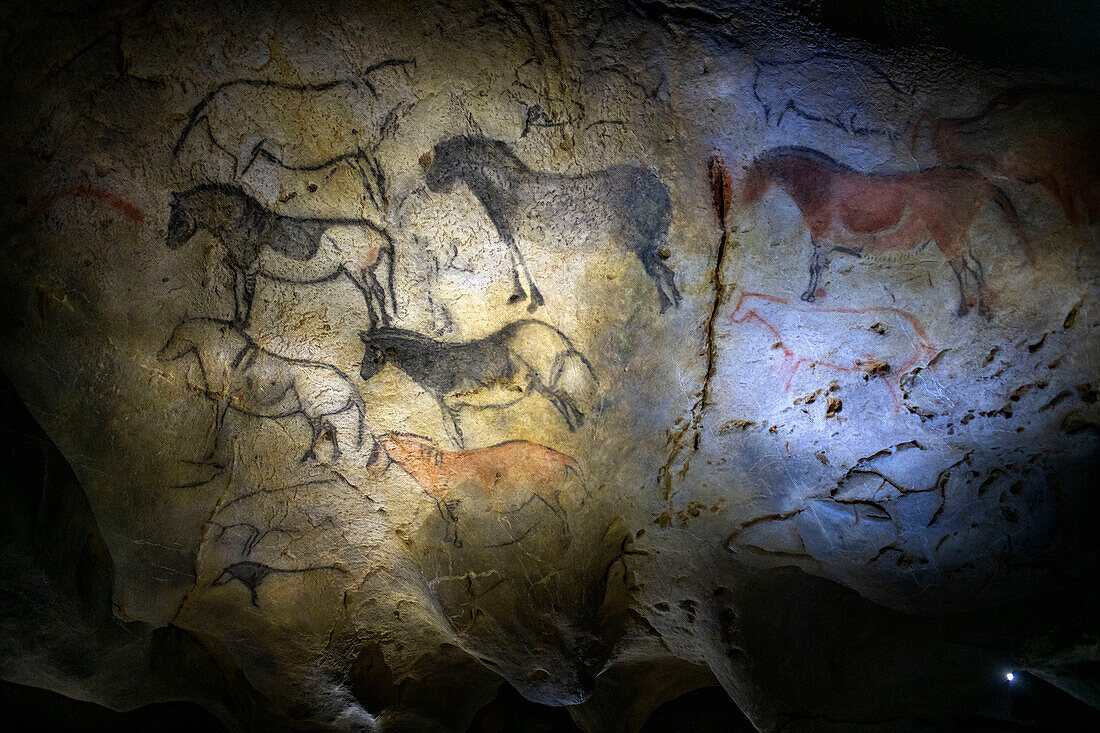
(179, 345)
(182, 224)
(374, 357)
(460, 156)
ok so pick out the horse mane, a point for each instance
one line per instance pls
(486, 149)
(384, 336)
(802, 153)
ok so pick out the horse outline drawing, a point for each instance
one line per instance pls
(259, 383)
(248, 231)
(756, 306)
(357, 151)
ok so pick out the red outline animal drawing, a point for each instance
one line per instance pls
(876, 213)
(882, 341)
(511, 474)
(1044, 134)
(91, 193)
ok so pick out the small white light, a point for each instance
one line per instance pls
(1009, 676)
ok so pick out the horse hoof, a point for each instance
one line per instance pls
(532, 307)
(515, 298)
(808, 297)
(310, 455)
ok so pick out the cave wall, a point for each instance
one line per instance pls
(609, 351)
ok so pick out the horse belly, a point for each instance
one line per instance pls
(870, 210)
(354, 248)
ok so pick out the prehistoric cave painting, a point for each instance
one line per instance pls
(238, 374)
(513, 474)
(252, 574)
(625, 206)
(875, 213)
(878, 341)
(252, 535)
(847, 92)
(251, 119)
(286, 248)
(91, 193)
(499, 370)
(1044, 134)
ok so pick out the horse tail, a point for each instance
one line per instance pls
(1005, 203)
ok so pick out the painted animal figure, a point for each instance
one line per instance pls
(510, 474)
(238, 374)
(1044, 134)
(260, 119)
(876, 341)
(859, 213)
(626, 206)
(285, 248)
(252, 574)
(522, 358)
(846, 92)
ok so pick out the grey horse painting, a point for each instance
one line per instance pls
(522, 358)
(624, 206)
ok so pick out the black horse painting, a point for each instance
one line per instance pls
(625, 205)
(285, 248)
(524, 357)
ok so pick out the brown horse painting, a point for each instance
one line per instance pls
(856, 213)
(1043, 134)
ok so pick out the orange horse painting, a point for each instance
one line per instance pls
(859, 213)
(511, 474)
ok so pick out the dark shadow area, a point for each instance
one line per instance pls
(705, 709)
(1053, 35)
(31, 708)
(510, 712)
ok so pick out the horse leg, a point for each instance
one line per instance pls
(315, 427)
(559, 511)
(244, 290)
(974, 265)
(446, 510)
(653, 265)
(221, 406)
(327, 424)
(520, 265)
(959, 267)
(573, 417)
(817, 259)
(450, 424)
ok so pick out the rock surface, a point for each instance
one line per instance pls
(385, 355)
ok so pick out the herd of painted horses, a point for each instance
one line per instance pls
(1044, 135)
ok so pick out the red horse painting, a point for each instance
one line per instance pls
(511, 474)
(876, 341)
(859, 213)
(1044, 134)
